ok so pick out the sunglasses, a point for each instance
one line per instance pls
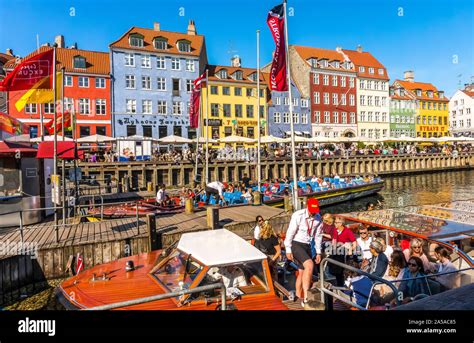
(417, 247)
(260, 220)
(412, 264)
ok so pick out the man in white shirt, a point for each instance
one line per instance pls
(215, 188)
(161, 196)
(304, 227)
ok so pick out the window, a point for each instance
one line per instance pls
(277, 117)
(304, 118)
(369, 100)
(227, 131)
(226, 90)
(161, 107)
(317, 117)
(226, 109)
(351, 82)
(84, 106)
(362, 116)
(184, 46)
(147, 131)
(160, 43)
(146, 82)
(377, 101)
(384, 101)
(326, 80)
(253, 77)
(99, 82)
(83, 82)
(189, 65)
(353, 118)
(131, 106)
(369, 84)
(68, 104)
(286, 118)
(377, 116)
(371, 70)
(162, 131)
(131, 130)
(130, 81)
(376, 85)
(343, 81)
(130, 60)
(334, 99)
(79, 62)
(146, 107)
(384, 117)
(238, 75)
(161, 83)
(343, 100)
(277, 100)
(175, 65)
(316, 97)
(370, 116)
(237, 91)
(67, 81)
(335, 117)
(315, 78)
(334, 80)
(238, 111)
(249, 109)
(100, 107)
(189, 86)
(222, 74)
(371, 133)
(326, 98)
(344, 117)
(361, 69)
(262, 111)
(327, 117)
(362, 84)
(136, 40)
(160, 62)
(296, 118)
(146, 61)
(295, 101)
(84, 131)
(177, 107)
(176, 86)
(351, 99)
(381, 71)
(304, 103)
(249, 92)
(250, 132)
(362, 132)
(261, 93)
(362, 100)
(214, 90)
(214, 110)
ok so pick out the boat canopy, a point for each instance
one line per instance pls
(218, 247)
(439, 222)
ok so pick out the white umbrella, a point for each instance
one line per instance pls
(202, 140)
(50, 138)
(136, 138)
(25, 138)
(175, 140)
(271, 139)
(95, 139)
(320, 139)
(236, 139)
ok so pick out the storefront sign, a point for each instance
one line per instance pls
(213, 122)
(423, 128)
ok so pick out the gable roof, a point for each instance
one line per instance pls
(218, 247)
(306, 53)
(366, 59)
(246, 72)
(424, 87)
(96, 62)
(197, 41)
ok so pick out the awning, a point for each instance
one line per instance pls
(65, 150)
(298, 133)
(7, 148)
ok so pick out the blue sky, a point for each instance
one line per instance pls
(435, 38)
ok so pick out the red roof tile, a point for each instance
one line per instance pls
(246, 72)
(306, 53)
(424, 87)
(365, 59)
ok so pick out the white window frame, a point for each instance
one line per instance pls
(102, 105)
(175, 61)
(162, 105)
(177, 108)
(100, 82)
(131, 79)
(277, 117)
(131, 106)
(190, 66)
(85, 82)
(146, 79)
(129, 60)
(161, 81)
(68, 81)
(160, 62)
(146, 61)
(147, 106)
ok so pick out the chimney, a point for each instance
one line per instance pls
(59, 40)
(45, 44)
(235, 61)
(409, 76)
(9, 52)
(74, 46)
(156, 26)
(192, 28)
(359, 48)
(338, 49)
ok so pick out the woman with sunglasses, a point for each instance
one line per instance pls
(256, 230)
(268, 243)
(416, 249)
(411, 288)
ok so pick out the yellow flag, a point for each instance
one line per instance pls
(38, 95)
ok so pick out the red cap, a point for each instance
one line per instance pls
(313, 205)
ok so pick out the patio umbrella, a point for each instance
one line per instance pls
(50, 138)
(298, 139)
(95, 139)
(236, 139)
(172, 139)
(320, 139)
(137, 138)
(202, 140)
(271, 139)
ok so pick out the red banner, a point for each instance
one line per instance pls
(276, 23)
(12, 126)
(31, 73)
(59, 123)
(195, 109)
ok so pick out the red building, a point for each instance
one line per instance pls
(87, 90)
(332, 89)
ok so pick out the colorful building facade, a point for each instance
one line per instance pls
(230, 100)
(402, 113)
(461, 112)
(87, 92)
(432, 107)
(153, 79)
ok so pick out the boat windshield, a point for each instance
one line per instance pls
(174, 271)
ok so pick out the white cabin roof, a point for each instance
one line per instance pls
(218, 247)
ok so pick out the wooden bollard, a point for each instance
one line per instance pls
(150, 187)
(287, 203)
(257, 198)
(154, 240)
(213, 217)
(189, 206)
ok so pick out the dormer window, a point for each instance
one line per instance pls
(371, 70)
(336, 64)
(79, 62)
(361, 69)
(160, 43)
(184, 46)
(222, 74)
(253, 77)
(313, 62)
(136, 40)
(381, 71)
(418, 92)
(430, 94)
(402, 92)
(323, 63)
(238, 75)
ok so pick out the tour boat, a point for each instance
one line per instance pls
(142, 208)
(199, 259)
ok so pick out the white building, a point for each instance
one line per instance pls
(461, 112)
(373, 100)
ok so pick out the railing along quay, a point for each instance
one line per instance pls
(147, 174)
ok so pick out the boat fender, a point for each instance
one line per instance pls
(129, 266)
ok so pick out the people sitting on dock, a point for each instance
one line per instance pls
(445, 265)
(248, 196)
(416, 249)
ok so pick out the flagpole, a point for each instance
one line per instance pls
(41, 121)
(293, 153)
(63, 163)
(55, 145)
(198, 132)
(259, 169)
(207, 126)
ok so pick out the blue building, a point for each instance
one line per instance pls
(279, 114)
(153, 73)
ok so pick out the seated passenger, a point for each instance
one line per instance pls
(314, 179)
(359, 286)
(247, 196)
(379, 262)
(308, 188)
(231, 276)
(445, 265)
(411, 288)
(416, 249)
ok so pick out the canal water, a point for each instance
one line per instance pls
(420, 189)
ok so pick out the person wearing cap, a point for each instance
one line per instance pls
(305, 225)
(379, 263)
(215, 188)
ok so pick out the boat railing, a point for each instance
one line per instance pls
(179, 293)
(328, 294)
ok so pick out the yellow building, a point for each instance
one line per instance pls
(431, 118)
(232, 103)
